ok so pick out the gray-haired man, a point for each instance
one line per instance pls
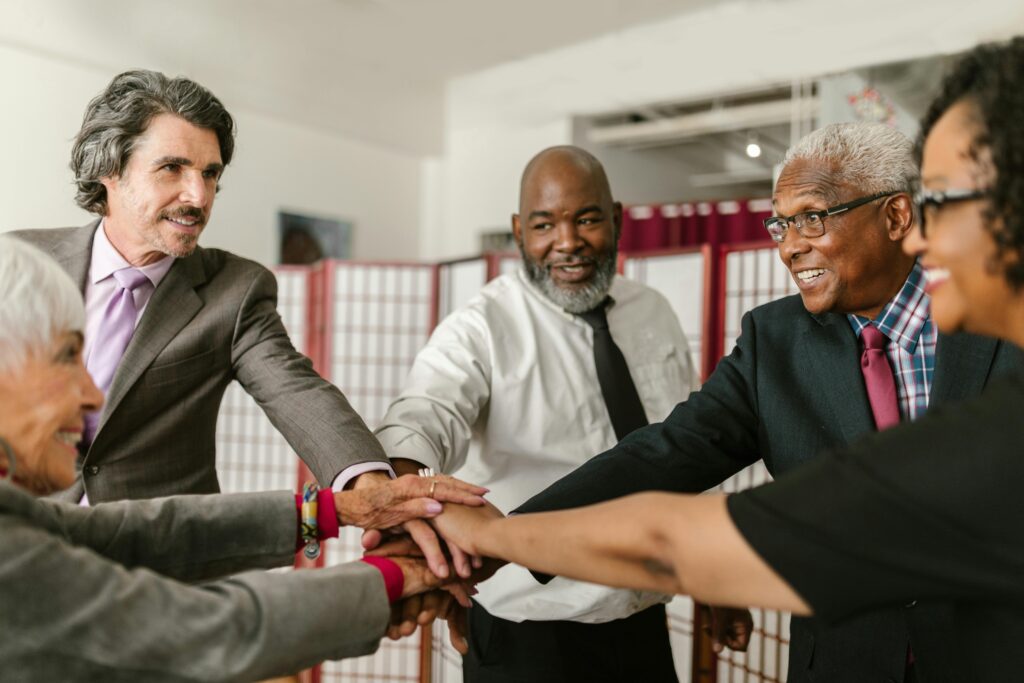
(794, 385)
(169, 324)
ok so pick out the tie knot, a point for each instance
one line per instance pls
(130, 278)
(873, 338)
(596, 317)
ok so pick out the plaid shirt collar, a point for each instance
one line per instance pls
(904, 318)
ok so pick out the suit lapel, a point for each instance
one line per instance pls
(830, 347)
(75, 254)
(962, 364)
(173, 305)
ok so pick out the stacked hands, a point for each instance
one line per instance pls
(404, 522)
(430, 524)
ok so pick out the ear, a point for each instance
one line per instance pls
(899, 216)
(517, 231)
(617, 219)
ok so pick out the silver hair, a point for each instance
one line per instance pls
(39, 302)
(116, 118)
(872, 157)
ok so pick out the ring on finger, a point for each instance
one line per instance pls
(433, 485)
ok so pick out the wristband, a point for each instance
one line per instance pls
(308, 521)
(394, 579)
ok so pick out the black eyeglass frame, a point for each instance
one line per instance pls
(938, 198)
(786, 221)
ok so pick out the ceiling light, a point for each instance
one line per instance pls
(753, 148)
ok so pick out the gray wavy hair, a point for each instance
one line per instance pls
(870, 156)
(116, 118)
(39, 302)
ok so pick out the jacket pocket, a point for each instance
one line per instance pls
(178, 370)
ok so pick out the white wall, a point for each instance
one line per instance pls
(277, 166)
(498, 118)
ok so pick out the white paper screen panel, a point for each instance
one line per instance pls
(680, 279)
(379, 318)
(752, 278)
(459, 283)
(251, 454)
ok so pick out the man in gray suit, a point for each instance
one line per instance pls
(169, 324)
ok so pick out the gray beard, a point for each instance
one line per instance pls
(579, 300)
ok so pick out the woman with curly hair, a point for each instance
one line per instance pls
(929, 510)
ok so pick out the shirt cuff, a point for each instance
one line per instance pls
(394, 580)
(353, 471)
(403, 443)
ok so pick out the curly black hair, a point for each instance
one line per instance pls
(991, 77)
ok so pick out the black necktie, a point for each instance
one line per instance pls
(617, 388)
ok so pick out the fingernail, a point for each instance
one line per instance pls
(434, 508)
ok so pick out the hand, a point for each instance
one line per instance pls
(429, 545)
(396, 501)
(458, 627)
(417, 538)
(729, 627)
(464, 526)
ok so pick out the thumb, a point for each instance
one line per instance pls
(421, 507)
(371, 539)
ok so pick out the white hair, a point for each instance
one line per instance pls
(872, 157)
(38, 301)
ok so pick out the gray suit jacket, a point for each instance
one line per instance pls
(213, 319)
(98, 594)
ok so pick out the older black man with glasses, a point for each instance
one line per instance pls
(854, 352)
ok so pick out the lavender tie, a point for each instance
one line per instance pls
(112, 337)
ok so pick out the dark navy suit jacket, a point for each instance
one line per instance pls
(791, 390)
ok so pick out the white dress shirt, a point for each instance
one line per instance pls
(505, 395)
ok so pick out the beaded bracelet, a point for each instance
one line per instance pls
(308, 525)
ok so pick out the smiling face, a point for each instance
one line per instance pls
(53, 393)
(857, 266)
(964, 274)
(160, 204)
(567, 229)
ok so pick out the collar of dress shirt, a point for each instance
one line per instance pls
(106, 259)
(904, 318)
(536, 293)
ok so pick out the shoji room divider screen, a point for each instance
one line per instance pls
(362, 324)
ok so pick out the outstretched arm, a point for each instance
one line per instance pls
(651, 541)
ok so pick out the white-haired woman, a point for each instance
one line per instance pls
(108, 593)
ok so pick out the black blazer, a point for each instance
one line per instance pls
(790, 390)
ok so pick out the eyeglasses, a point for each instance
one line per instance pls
(812, 223)
(928, 202)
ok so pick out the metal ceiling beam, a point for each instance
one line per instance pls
(677, 128)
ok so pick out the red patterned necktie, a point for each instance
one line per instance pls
(878, 378)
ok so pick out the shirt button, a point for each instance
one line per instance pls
(93, 469)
